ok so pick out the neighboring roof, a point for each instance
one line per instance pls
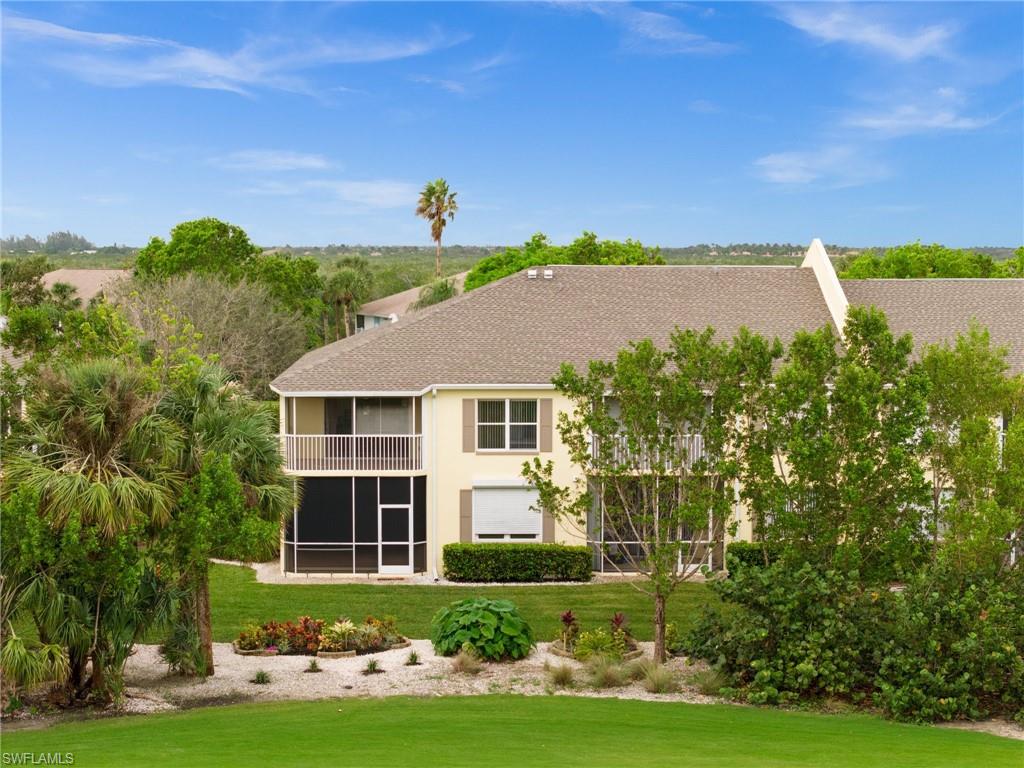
(87, 282)
(401, 303)
(936, 309)
(13, 360)
(519, 330)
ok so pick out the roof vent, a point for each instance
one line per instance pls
(531, 274)
(548, 274)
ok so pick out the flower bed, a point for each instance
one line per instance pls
(314, 637)
(616, 643)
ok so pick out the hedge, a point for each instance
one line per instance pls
(752, 552)
(517, 562)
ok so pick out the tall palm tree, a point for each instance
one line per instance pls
(437, 205)
(218, 417)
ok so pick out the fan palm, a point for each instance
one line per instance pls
(345, 289)
(218, 417)
(437, 205)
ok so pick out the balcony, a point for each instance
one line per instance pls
(690, 446)
(352, 453)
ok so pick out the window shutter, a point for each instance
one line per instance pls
(549, 528)
(505, 511)
(468, 425)
(546, 424)
(466, 515)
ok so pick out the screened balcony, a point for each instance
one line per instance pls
(352, 434)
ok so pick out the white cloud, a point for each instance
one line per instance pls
(445, 84)
(116, 60)
(834, 166)
(864, 26)
(271, 160)
(907, 119)
(657, 33)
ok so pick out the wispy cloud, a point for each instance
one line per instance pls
(467, 80)
(270, 160)
(445, 84)
(834, 166)
(941, 110)
(122, 61)
(356, 195)
(651, 32)
(865, 26)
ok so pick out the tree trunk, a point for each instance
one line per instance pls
(345, 311)
(337, 320)
(97, 681)
(659, 627)
(437, 260)
(204, 623)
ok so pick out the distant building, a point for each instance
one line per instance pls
(389, 308)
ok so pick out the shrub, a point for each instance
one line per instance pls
(659, 679)
(372, 667)
(598, 642)
(261, 678)
(252, 638)
(605, 673)
(467, 662)
(338, 636)
(517, 562)
(750, 553)
(412, 660)
(638, 668)
(785, 634)
(492, 628)
(955, 649)
(561, 675)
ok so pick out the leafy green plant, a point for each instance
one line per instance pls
(372, 667)
(337, 637)
(413, 659)
(261, 677)
(313, 666)
(598, 642)
(252, 637)
(493, 628)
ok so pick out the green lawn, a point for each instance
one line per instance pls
(237, 597)
(510, 730)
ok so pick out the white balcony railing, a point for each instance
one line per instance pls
(692, 446)
(352, 453)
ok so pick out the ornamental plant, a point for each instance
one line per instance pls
(570, 630)
(494, 629)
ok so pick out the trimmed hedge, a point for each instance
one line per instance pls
(752, 553)
(517, 562)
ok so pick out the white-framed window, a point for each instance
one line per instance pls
(506, 425)
(506, 514)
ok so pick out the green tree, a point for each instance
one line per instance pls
(205, 246)
(21, 282)
(438, 206)
(235, 497)
(915, 260)
(96, 476)
(652, 436)
(435, 293)
(345, 289)
(538, 251)
(831, 453)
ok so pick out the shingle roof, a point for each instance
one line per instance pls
(935, 310)
(401, 303)
(518, 330)
(87, 282)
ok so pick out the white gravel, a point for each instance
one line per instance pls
(151, 688)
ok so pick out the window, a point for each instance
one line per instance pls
(506, 425)
(506, 514)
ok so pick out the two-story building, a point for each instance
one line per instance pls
(412, 435)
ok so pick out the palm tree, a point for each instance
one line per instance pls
(219, 418)
(346, 288)
(97, 465)
(437, 205)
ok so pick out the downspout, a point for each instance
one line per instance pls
(433, 482)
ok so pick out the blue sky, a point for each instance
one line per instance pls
(669, 123)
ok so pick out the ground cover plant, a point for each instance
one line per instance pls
(511, 730)
(493, 629)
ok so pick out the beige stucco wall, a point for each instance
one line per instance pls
(449, 470)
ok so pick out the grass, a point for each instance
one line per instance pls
(237, 597)
(510, 730)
